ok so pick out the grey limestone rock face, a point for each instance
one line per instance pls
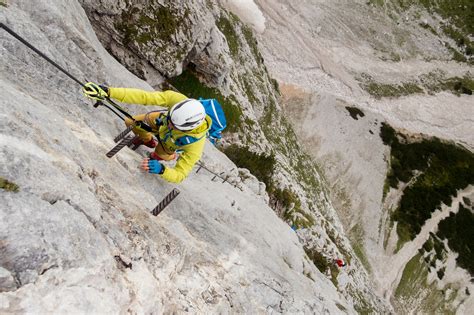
(193, 36)
(7, 282)
(158, 38)
(78, 237)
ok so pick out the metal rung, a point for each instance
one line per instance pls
(123, 134)
(165, 202)
(119, 146)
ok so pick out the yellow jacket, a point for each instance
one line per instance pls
(191, 152)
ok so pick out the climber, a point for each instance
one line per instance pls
(340, 263)
(183, 127)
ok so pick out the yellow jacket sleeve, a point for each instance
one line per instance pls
(136, 96)
(192, 153)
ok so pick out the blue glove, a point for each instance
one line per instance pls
(152, 166)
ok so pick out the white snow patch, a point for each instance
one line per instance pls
(248, 12)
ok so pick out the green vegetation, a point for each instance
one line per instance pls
(143, 25)
(429, 28)
(298, 218)
(341, 307)
(360, 253)
(255, 84)
(432, 82)
(458, 230)
(436, 82)
(428, 245)
(227, 28)
(419, 296)
(286, 142)
(355, 112)
(437, 170)
(248, 86)
(260, 165)
(459, 12)
(379, 90)
(252, 42)
(323, 263)
(357, 238)
(286, 198)
(414, 272)
(361, 306)
(189, 84)
(457, 17)
(439, 249)
(8, 185)
(462, 41)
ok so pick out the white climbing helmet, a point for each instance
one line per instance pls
(187, 114)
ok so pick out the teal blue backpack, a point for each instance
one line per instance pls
(214, 110)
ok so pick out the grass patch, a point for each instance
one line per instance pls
(263, 166)
(443, 169)
(415, 272)
(260, 165)
(144, 25)
(430, 83)
(462, 41)
(428, 27)
(458, 230)
(415, 295)
(189, 84)
(360, 253)
(286, 197)
(403, 233)
(459, 12)
(226, 26)
(299, 218)
(355, 112)
(7, 185)
(362, 306)
(252, 42)
(380, 90)
(457, 17)
(341, 307)
(435, 82)
(357, 237)
(323, 263)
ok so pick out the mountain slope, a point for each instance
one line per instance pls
(77, 237)
(345, 68)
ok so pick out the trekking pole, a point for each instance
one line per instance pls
(116, 106)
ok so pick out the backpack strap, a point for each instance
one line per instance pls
(185, 140)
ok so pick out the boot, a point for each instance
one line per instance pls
(151, 144)
(155, 156)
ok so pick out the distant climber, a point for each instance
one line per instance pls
(183, 127)
(340, 263)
